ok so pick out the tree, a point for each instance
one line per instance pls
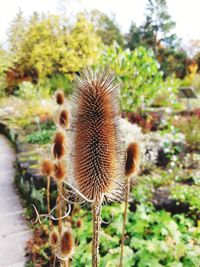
(158, 26)
(156, 29)
(134, 37)
(50, 45)
(106, 27)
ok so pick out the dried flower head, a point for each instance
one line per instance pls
(132, 159)
(79, 223)
(53, 237)
(59, 145)
(46, 167)
(59, 170)
(97, 151)
(60, 97)
(66, 243)
(64, 118)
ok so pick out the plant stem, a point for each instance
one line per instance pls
(96, 213)
(124, 221)
(48, 199)
(59, 210)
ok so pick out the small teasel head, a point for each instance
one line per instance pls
(66, 244)
(97, 154)
(132, 159)
(47, 167)
(59, 170)
(60, 97)
(64, 118)
(54, 238)
(79, 223)
(59, 145)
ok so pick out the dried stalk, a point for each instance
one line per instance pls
(124, 220)
(96, 214)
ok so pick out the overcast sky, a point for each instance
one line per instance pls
(186, 13)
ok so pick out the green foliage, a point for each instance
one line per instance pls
(106, 27)
(5, 64)
(50, 45)
(139, 75)
(154, 238)
(40, 137)
(187, 194)
(62, 82)
(190, 127)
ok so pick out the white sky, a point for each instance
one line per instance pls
(186, 13)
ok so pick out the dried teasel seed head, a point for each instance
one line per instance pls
(59, 145)
(96, 142)
(132, 159)
(79, 223)
(53, 237)
(64, 118)
(59, 170)
(60, 97)
(66, 243)
(47, 167)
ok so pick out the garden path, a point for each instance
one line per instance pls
(14, 231)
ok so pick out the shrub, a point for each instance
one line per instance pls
(140, 77)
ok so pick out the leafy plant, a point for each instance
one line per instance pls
(139, 75)
(40, 137)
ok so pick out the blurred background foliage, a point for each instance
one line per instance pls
(47, 50)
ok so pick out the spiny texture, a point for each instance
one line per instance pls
(60, 97)
(53, 238)
(64, 118)
(96, 139)
(59, 145)
(47, 167)
(66, 243)
(59, 170)
(132, 160)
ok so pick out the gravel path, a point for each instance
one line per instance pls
(14, 231)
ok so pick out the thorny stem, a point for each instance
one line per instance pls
(124, 221)
(96, 214)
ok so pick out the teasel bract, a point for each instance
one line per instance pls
(97, 152)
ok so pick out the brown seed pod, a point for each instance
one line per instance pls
(64, 118)
(46, 167)
(79, 223)
(53, 237)
(132, 160)
(59, 170)
(60, 97)
(66, 243)
(96, 142)
(59, 145)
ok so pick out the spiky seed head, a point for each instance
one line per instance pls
(132, 159)
(59, 170)
(60, 97)
(96, 138)
(59, 145)
(64, 118)
(53, 237)
(46, 167)
(66, 243)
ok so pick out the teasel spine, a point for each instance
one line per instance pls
(131, 168)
